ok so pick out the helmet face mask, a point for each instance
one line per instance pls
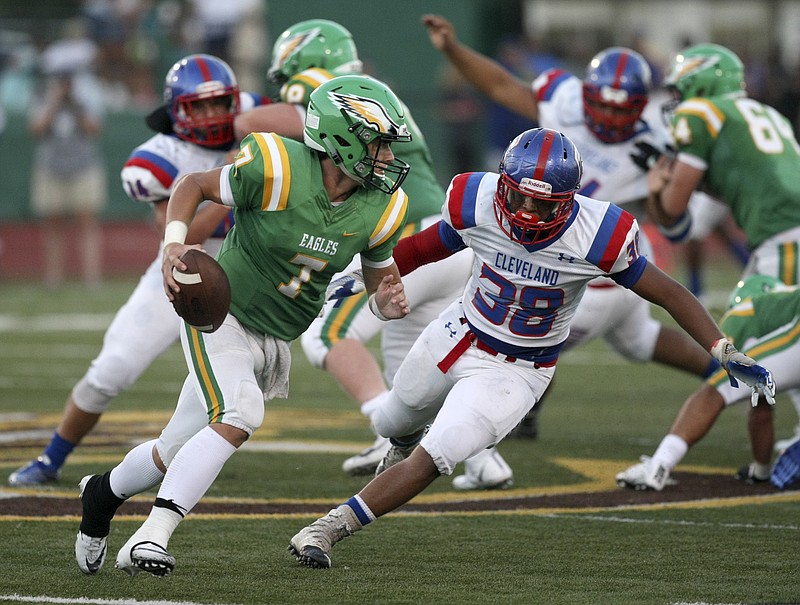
(353, 120)
(540, 172)
(705, 70)
(615, 92)
(313, 43)
(202, 99)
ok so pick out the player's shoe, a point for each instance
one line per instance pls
(485, 470)
(646, 475)
(147, 556)
(312, 545)
(367, 461)
(90, 551)
(784, 444)
(36, 472)
(747, 474)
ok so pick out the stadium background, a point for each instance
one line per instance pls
(395, 48)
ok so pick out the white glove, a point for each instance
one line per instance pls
(740, 366)
(346, 285)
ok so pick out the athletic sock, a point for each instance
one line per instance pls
(670, 451)
(57, 451)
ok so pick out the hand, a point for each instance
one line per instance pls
(346, 285)
(389, 300)
(645, 156)
(440, 31)
(740, 366)
(171, 260)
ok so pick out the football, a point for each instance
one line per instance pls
(205, 295)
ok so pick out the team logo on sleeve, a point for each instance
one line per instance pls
(369, 112)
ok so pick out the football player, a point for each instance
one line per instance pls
(723, 136)
(302, 212)
(537, 245)
(603, 114)
(195, 132)
(763, 318)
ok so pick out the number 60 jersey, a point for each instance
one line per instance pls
(522, 296)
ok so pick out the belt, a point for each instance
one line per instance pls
(463, 344)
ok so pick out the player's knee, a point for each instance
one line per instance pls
(89, 398)
(249, 408)
(314, 349)
(393, 419)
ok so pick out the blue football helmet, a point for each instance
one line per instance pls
(544, 167)
(189, 84)
(615, 91)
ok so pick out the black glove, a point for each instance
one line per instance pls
(645, 156)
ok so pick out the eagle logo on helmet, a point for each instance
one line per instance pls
(295, 43)
(369, 112)
(688, 65)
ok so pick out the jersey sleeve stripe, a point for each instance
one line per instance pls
(162, 169)
(708, 112)
(391, 220)
(610, 238)
(314, 77)
(461, 198)
(225, 192)
(277, 172)
(545, 85)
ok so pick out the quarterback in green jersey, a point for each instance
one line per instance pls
(763, 322)
(305, 56)
(302, 212)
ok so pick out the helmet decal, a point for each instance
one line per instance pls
(368, 111)
(295, 44)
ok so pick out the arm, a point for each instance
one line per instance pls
(187, 196)
(659, 288)
(670, 185)
(281, 118)
(427, 246)
(487, 75)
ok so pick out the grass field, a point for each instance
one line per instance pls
(601, 416)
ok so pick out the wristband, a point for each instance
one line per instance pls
(373, 306)
(175, 232)
(679, 230)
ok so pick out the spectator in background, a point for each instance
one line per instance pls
(68, 175)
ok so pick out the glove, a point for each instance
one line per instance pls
(740, 366)
(645, 156)
(787, 467)
(346, 285)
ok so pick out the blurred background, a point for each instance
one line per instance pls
(118, 51)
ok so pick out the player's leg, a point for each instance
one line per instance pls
(232, 372)
(142, 329)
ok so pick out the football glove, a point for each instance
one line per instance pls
(645, 156)
(741, 367)
(787, 467)
(346, 285)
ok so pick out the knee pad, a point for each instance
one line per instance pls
(637, 342)
(314, 347)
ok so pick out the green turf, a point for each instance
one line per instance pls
(602, 409)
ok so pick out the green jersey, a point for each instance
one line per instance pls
(751, 158)
(289, 239)
(760, 315)
(424, 192)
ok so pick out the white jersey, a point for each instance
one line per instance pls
(520, 298)
(608, 172)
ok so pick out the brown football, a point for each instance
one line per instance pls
(205, 295)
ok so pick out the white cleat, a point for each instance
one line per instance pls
(365, 462)
(485, 470)
(646, 475)
(145, 556)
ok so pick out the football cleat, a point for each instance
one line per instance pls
(365, 462)
(747, 474)
(90, 553)
(36, 472)
(485, 470)
(312, 545)
(145, 556)
(646, 475)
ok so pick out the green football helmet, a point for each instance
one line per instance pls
(348, 113)
(313, 43)
(754, 285)
(705, 70)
